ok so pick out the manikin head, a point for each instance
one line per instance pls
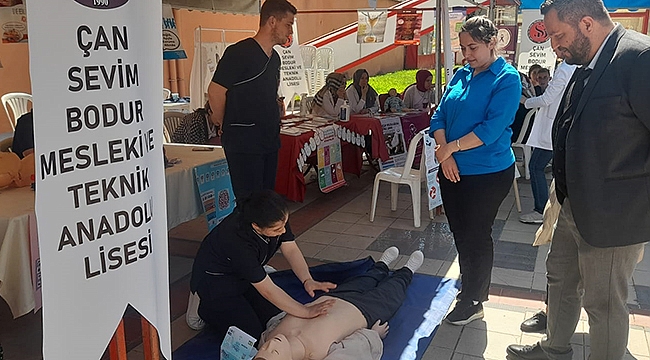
(280, 348)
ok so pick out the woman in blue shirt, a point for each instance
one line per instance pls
(472, 129)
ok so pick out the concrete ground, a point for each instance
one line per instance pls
(336, 227)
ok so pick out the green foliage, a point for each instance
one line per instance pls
(398, 80)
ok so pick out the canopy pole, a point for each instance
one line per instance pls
(492, 10)
(438, 32)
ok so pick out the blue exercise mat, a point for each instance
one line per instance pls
(411, 329)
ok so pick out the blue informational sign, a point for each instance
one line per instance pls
(215, 191)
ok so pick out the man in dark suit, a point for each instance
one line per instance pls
(601, 164)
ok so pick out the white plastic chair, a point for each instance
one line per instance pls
(166, 94)
(171, 121)
(324, 65)
(519, 143)
(308, 55)
(402, 175)
(18, 102)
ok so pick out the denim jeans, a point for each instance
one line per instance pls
(538, 161)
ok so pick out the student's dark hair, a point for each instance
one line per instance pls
(534, 67)
(543, 69)
(572, 11)
(480, 28)
(263, 208)
(277, 9)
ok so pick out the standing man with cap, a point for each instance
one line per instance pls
(243, 97)
(601, 164)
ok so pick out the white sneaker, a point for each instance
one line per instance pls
(192, 317)
(532, 217)
(389, 255)
(415, 261)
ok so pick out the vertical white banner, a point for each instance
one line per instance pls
(292, 73)
(535, 47)
(96, 71)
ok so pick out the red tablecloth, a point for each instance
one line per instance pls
(290, 181)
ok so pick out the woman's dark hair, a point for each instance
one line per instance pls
(263, 208)
(480, 28)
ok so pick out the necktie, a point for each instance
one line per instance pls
(561, 129)
(574, 94)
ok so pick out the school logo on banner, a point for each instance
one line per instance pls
(537, 32)
(100, 199)
(102, 4)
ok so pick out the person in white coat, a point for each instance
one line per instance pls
(540, 138)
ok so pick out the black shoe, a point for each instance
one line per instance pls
(535, 324)
(526, 352)
(464, 313)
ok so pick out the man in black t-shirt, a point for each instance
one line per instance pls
(243, 96)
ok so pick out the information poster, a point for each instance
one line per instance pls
(407, 30)
(395, 142)
(507, 42)
(432, 168)
(13, 21)
(100, 181)
(215, 191)
(172, 48)
(330, 163)
(371, 26)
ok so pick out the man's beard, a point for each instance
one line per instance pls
(579, 50)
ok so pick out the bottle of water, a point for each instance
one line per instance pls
(303, 104)
(345, 112)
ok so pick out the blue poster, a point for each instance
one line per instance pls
(215, 191)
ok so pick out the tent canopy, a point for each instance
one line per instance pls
(225, 6)
(610, 4)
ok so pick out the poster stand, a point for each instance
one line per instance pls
(117, 346)
(198, 100)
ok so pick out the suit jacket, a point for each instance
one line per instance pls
(608, 146)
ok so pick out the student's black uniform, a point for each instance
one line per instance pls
(232, 257)
(251, 123)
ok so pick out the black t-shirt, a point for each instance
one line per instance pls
(23, 134)
(231, 257)
(251, 121)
